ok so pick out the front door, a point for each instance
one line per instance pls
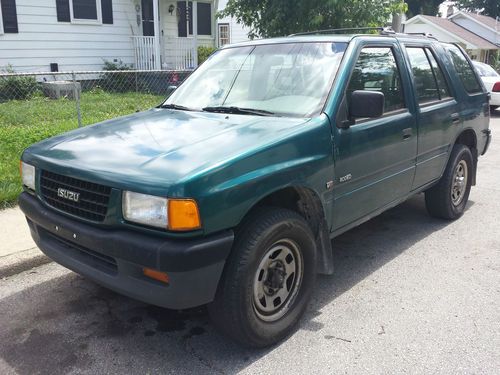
(375, 158)
(148, 24)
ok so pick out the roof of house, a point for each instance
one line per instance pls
(457, 30)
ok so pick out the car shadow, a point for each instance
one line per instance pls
(70, 324)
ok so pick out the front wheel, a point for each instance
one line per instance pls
(268, 278)
(448, 198)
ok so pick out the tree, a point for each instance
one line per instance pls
(489, 7)
(429, 7)
(270, 18)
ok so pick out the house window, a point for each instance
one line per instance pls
(8, 17)
(224, 37)
(185, 18)
(85, 11)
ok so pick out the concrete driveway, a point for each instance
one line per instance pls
(411, 294)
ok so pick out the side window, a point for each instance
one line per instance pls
(376, 70)
(428, 78)
(464, 69)
(444, 91)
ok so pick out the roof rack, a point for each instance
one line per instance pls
(337, 31)
(381, 31)
(426, 35)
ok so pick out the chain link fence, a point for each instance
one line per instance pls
(93, 94)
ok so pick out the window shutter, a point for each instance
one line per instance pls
(107, 11)
(181, 26)
(62, 7)
(9, 16)
(204, 19)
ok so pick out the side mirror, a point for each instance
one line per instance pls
(366, 104)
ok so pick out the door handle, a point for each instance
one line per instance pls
(407, 133)
(455, 118)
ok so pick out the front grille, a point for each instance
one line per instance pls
(93, 200)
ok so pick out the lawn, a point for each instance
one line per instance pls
(24, 122)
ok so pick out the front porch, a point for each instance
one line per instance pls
(172, 31)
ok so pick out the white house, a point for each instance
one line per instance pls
(475, 33)
(67, 35)
(229, 30)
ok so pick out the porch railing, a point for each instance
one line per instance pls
(179, 53)
(144, 52)
(184, 53)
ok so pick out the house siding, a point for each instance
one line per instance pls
(43, 40)
(238, 32)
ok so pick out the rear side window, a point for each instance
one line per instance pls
(376, 70)
(464, 69)
(428, 78)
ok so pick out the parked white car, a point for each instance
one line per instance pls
(491, 80)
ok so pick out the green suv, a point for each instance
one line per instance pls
(230, 192)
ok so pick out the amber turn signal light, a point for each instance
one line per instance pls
(156, 275)
(183, 215)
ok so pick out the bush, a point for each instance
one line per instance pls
(117, 82)
(17, 87)
(204, 53)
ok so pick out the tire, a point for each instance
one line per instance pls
(447, 199)
(243, 308)
(493, 107)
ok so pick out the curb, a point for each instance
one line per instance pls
(13, 264)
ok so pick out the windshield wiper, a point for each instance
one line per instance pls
(239, 110)
(175, 106)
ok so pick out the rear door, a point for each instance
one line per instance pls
(438, 112)
(474, 106)
(374, 158)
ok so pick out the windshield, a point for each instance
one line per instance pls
(485, 70)
(290, 79)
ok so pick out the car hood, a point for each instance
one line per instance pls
(157, 147)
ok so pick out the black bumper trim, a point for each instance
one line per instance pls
(174, 255)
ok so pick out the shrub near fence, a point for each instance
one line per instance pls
(28, 112)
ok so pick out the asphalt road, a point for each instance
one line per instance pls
(411, 294)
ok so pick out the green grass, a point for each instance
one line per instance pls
(24, 122)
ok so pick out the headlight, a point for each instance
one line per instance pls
(28, 175)
(173, 214)
(145, 209)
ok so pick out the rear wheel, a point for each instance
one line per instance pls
(493, 107)
(268, 278)
(447, 199)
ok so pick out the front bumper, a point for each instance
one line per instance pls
(115, 258)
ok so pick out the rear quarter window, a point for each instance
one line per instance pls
(464, 70)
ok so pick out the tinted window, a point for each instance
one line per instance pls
(464, 69)
(444, 91)
(423, 77)
(376, 70)
(428, 78)
(85, 9)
